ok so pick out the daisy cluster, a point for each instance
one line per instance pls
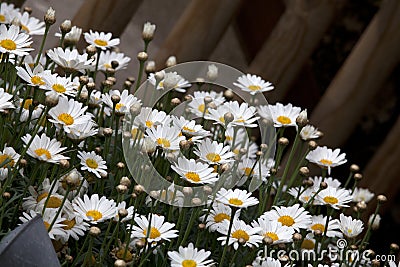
(64, 126)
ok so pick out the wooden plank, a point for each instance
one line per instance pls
(292, 41)
(105, 15)
(198, 30)
(365, 70)
(382, 172)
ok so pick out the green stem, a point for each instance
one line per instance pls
(46, 31)
(233, 211)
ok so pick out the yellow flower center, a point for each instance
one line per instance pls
(228, 138)
(241, 234)
(106, 65)
(100, 42)
(331, 200)
(5, 157)
(222, 119)
(53, 203)
(254, 87)
(201, 108)
(221, 216)
(286, 220)
(66, 118)
(326, 161)
(307, 244)
(213, 157)
(284, 120)
(91, 163)
(59, 88)
(96, 215)
(8, 44)
(149, 124)
(119, 106)
(136, 133)
(187, 129)
(68, 224)
(121, 252)
(154, 233)
(189, 263)
(248, 171)
(43, 151)
(27, 104)
(193, 176)
(272, 235)
(235, 201)
(36, 80)
(163, 142)
(24, 28)
(319, 227)
(46, 224)
(2, 18)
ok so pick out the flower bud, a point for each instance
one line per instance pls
(50, 16)
(150, 67)
(142, 56)
(125, 181)
(94, 231)
(228, 118)
(171, 61)
(212, 73)
(302, 119)
(148, 31)
(382, 199)
(122, 213)
(283, 141)
(354, 168)
(228, 94)
(51, 99)
(66, 26)
(119, 263)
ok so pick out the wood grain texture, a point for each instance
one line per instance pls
(292, 41)
(361, 77)
(382, 172)
(105, 15)
(198, 30)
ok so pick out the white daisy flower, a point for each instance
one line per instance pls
(212, 114)
(309, 132)
(294, 216)
(48, 217)
(326, 158)
(277, 232)
(305, 195)
(331, 182)
(165, 137)
(244, 115)
(217, 98)
(159, 229)
(362, 194)
(213, 152)
(195, 172)
(172, 80)
(106, 57)
(93, 209)
(95, 99)
(190, 256)
(37, 199)
(35, 77)
(93, 163)
(72, 37)
(349, 227)
(70, 59)
(266, 262)
(253, 84)
(282, 116)
(236, 198)
(68, 113)
(193, 131)
(45, 149)
(130, 210)
(319, 222)
(61, 85)
(218, 214)
(7, 12)
(242, 231)
(198, 107)
(30, 25)
(100, 39)
(13, 41)
(335, 197)
(308, 242)
(123, 106)
(4, 100)
(8, 158)
(149, 118)
(73, 225)
(83, 131)
(251, 168)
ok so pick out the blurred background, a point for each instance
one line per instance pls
(339, 59)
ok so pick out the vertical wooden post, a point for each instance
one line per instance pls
(292, 41)
(361, 76)
(198, 30)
